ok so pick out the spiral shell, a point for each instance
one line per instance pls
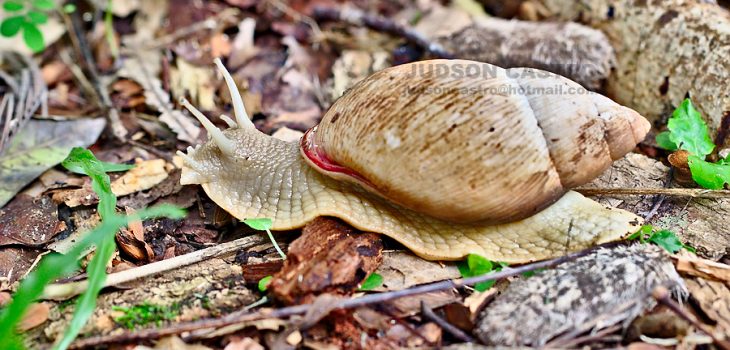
(471, 142)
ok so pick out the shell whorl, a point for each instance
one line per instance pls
(471, 142)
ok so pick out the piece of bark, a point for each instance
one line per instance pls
(665, 50)
(701, 222)
(572, 50)
(329, 257)
(607, 287)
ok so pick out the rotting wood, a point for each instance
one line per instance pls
(665, 51)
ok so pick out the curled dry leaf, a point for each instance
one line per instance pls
(36, 315)
(690, 264)
(187, 79)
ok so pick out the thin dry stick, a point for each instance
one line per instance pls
(675, 192)
(357, 17)
(64, 291)
(369, 299)
(456, 332)
(662, 295)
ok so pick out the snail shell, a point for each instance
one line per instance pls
(494, 147)
(406, 164)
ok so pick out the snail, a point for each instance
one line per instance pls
(445, 162)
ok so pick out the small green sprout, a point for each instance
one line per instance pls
(663, 238)
(264, 283)
(373, 281)
(265, 224)
(687, 131)
(477, 265)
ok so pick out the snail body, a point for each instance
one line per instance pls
(446, 174)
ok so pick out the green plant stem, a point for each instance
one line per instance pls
(276, 245)
(109, 31)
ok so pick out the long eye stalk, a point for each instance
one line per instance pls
(240, 110)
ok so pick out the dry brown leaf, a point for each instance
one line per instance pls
(144, 67)
(187, 79)
(699, 267)
(246, 343)
(28, 221)
(173, 343)
(143, 176)
(53, 71)
(124, 8)
(220, 45)
(36, 315)
(714, 299)
(401, 269)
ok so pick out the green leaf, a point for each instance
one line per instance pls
(373, 281)
(713, 176)
(33, 37)
(69, 8)
(664, 141)
(667, 240)
(11, 25)
(259, 224)
(642, 234)
(37, 17)
(12, 6)
(688, 131)
(264, 283)
(44, 4)
(83, 159)
(477, 265)
(87, 301)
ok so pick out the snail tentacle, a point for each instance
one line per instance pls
(230, 122)
(224, 144)
(239, 108)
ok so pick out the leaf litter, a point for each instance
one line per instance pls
(289, 73)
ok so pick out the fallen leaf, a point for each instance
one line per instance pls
(143, 176)
(15, 262)
(714, 299)
(245, 343)
(220, 45)
(693, 265)
(30, 222)
(40, 145)
(35, 316)
(402, 269)
(144, 67)
(196, 81)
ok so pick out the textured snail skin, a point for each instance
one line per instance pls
(268, 178)
(444, 172)
(495, 147)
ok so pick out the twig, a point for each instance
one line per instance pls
(343, 304)
(64, 291)
(118, 129)
(283, 7)
(662, 295)
(674, 192)
(456, 332)
(357, 17)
